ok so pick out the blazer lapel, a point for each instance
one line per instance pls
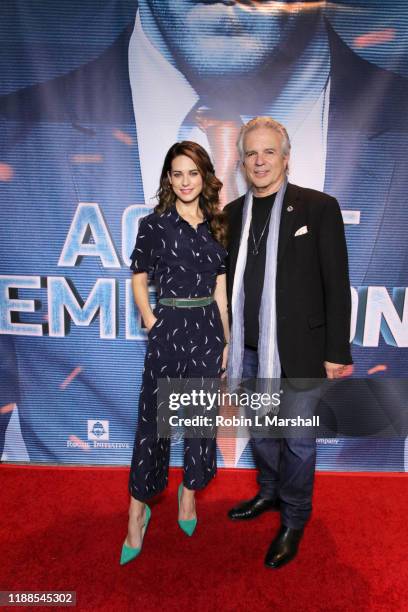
(288, 217)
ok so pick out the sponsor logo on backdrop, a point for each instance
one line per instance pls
(98, 437)
(98, 430)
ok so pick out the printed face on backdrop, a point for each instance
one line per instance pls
(264, 163)
(185, 179)
(232, 36)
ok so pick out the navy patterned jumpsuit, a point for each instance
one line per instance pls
(183, 342)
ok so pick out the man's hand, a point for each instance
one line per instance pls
(337, 370)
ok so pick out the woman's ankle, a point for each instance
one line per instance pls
(137, 508)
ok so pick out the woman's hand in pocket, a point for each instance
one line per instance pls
(150, 323)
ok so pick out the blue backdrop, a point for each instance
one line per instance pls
(92, 95)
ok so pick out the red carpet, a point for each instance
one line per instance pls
(62, 529)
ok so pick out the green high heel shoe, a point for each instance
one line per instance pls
(129, 553)
(189, 525)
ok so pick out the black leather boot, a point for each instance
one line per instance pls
(284, 547)
(252, 508)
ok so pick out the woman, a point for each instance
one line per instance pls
(181, 242)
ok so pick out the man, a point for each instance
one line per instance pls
(231, 61)
(287, 262)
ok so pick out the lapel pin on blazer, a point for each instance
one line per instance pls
(289, 208)
(302, 230)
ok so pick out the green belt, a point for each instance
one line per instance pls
(186, 302)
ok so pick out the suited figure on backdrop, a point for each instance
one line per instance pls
(63, 139)
(290, 306)
(361, 162)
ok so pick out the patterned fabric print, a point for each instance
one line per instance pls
(183, 342)
(185, 262)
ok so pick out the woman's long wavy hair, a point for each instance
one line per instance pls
(209, 198)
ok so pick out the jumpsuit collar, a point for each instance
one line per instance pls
(174, 216)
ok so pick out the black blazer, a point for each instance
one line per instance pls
(313, 300)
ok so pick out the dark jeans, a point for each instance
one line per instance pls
(286, 466)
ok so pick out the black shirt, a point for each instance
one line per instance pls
(255, 267)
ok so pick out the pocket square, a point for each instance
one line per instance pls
(301, 231)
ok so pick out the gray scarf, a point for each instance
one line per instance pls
(268, 356)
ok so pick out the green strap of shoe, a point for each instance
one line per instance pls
(187, 302)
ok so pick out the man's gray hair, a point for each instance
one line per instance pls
(258, 122)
